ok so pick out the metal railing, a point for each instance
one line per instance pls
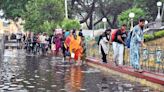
(151, 58)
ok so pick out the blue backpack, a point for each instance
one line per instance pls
(128, 40)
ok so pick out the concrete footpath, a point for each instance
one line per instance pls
(147, 78)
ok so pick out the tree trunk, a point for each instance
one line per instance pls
(97, 22)
(115, 22)
(89, 13)
(90, 23)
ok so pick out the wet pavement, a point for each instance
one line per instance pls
(21, 72)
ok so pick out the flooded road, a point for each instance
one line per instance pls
(21, 72)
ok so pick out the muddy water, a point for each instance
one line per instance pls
(20, 72)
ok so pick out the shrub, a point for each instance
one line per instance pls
(159, 34)
(124, 16)
(148, 37)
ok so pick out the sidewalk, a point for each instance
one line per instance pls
(147, 78)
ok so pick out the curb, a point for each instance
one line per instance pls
(143, 78)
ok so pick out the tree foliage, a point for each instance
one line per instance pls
(41, 12)
(39, 15)
(91, 12)
(69, 24)
(123, 18)
(150, 7)
(13, 8)
(43, 15)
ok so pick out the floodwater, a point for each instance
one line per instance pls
(20, 72)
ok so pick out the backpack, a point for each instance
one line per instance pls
(128, 40)
(113, 34)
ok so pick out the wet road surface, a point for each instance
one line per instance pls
(21, 72)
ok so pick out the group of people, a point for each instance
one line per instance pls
(37, 43)
(119, 39)
(74, 46)
(70, 44)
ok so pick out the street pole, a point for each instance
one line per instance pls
(158, 15)
(66, 10)
(159, 19)
(159, 4)
(131, 28)
(104, 25)
(162, 11)
(93, 24)
(131, 16)
(104, 20)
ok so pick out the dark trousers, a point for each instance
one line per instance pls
(64, 51)
(103, 55)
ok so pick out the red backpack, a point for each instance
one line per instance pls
(113, 34)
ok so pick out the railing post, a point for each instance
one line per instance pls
(158, 55)
(145, 57)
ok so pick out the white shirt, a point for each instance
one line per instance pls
(18, 36)
(105, 45)
(42, 39)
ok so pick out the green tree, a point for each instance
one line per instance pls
(43, 15)
(13, 8)
(69, 24)
(39, 15)
(124, 16)
(150, 7)
(92, 11)
(48, 26)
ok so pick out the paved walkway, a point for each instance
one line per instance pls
(148, 76)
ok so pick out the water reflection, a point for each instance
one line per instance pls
(76, 78)
(103, 86)
(23, 73)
